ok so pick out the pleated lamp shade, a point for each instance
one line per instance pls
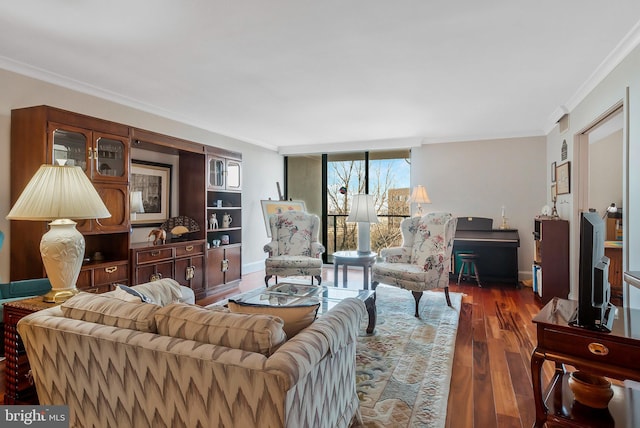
(57, 191)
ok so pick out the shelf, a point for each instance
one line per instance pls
(564, 410)
(222, 229)
(222, 247)
(224, 208)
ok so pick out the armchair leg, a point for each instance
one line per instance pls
(266, 280)
(374, 284)
(417, 295)
(446, 295)
(318, 277)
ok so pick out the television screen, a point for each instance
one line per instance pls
(593, 277)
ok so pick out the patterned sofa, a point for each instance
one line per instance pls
(133, 364)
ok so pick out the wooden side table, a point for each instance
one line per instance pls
(18, 384)
(352, 258)
(614, 355)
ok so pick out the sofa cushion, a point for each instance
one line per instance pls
(112, 311)
(255, 333)
(161, 292)
(295, 318)
(131, 294)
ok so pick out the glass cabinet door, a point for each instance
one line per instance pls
(234, 175)
(110, 156)
(70, 148)
(216, 173)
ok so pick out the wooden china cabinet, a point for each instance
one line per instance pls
(224, 200)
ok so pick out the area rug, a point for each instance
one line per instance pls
(404, 369)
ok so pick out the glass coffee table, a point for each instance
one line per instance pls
(290, 293)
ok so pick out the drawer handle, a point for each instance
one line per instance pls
(598, 349)
(111, 269)
(155, 253)
(189, 248)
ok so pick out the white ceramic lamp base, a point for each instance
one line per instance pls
(364, 238)
(62, 250)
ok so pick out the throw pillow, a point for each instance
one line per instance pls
(295, 318)
(138, 296)
(104, 309)
(252, 333)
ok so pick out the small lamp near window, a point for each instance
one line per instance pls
(363, 211)
(135, 204)
(419, 196)
(60, 194)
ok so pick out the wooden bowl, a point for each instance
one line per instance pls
(590, 390)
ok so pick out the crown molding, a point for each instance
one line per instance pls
(611, 61)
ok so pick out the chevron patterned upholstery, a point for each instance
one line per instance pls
(112, 376)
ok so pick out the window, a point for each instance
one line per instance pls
(386, 175)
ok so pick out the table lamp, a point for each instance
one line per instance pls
(363, 211)
(419, 196)
(135, 204)
(60, 193)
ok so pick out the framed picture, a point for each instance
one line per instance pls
(150, 193)
(563, 178)
(553, 172)
(273, 207)
(554, 191)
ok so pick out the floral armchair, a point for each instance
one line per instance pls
(294, 249)
(423, 261)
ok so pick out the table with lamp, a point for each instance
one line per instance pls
(362, 212)
(58, 194)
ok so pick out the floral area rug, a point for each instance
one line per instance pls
(404, 368)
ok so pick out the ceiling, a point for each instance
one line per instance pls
(297, 75)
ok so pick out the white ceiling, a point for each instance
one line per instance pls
(293, 74)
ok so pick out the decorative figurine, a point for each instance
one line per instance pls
(160, 236)
(226, 221)
(213, 221)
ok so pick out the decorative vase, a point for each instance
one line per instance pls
(590, 390)
(226, 221)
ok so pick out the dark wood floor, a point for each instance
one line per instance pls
(491, 382)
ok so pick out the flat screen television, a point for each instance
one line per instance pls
(594, 310)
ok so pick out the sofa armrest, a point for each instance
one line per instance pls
(25, 288)
(317, 249)
(326, 336)
(396, 254)
(271, 248)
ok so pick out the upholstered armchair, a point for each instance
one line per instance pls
(423, 261)
(294, 249)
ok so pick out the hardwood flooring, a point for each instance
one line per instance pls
(491, 382)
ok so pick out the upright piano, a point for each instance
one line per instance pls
(497, 249)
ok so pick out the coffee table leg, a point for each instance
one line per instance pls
(370, 304)
(335, 273)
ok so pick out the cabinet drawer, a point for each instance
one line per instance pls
(597, 349)
(189, 250)
(118, 272)
(150, 256)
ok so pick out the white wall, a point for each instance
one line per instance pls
(477, 178)
(261, 167)
(610, 92)
(605, 172)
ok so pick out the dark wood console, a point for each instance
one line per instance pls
(614, 355)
